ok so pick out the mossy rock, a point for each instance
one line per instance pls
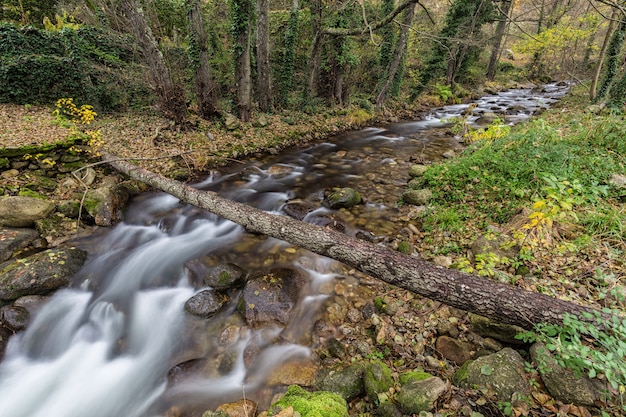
(347, 382)
(342, 198)
(311, 404)
(377, 379)
(413, 376)
(25, 192)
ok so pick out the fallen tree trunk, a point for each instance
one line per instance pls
(475, 294)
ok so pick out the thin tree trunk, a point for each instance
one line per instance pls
(205, 90)
(403, 40)
(289, 55)
(171, 96)
(242, 17)
(497, 41)
(316, 57)
(263, 56)
(501, 302)
(601, 55)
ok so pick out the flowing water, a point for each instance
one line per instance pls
(118, 342)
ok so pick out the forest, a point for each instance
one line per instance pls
(244, 57)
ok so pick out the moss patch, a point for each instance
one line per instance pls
(311, 404)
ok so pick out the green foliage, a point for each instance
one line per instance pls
(39, 66)
(462, 23)
(27, 12)
(496, 178)
(594, 344)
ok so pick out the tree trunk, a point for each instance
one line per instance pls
(205, 90)
(263, 56)
(601, 55)
(289, 55)
(497, 41)
(498, 301)
(316, 57)
(242, 17)
(398, 55)
(171, 96)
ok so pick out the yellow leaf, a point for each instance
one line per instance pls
(539, 204)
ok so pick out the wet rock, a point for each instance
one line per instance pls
(15, 239)
(40, 273)
(500, 331)
(502, 373)
(311, 404)
(32, 303)
(332, 220)
(336, 349)
(225, 276)
(417, 170)
(241, 408)
(5, 334)
(231, 122)
(377, 379)
(14, 318)
(105, 204)
(270, 298)
(454, 350)
(342, 198)
(290, 373)
(417, 197)
(347, 382)
(562, 383)
(206, 303)
(418, 396)
(298, 209)
(18, 211)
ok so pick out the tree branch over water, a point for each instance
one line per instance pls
(498, 301)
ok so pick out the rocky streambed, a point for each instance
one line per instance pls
(174, 312)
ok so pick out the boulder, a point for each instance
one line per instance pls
(562, 383)
(105, 204)
(417, 396)
(347, 382)
(16, 211)
(225, 276)
(231, 122)
(15, 239)
(269, 299)
(487, 327)
(342, 198)
(14, 318)
(206, 303)
(417, 197)
(502, 373)
(454, 350)
(417, 170)
(377, 379)
(40, 273)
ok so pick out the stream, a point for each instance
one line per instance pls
(118, 342)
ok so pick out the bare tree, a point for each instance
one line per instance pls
(170, 95)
